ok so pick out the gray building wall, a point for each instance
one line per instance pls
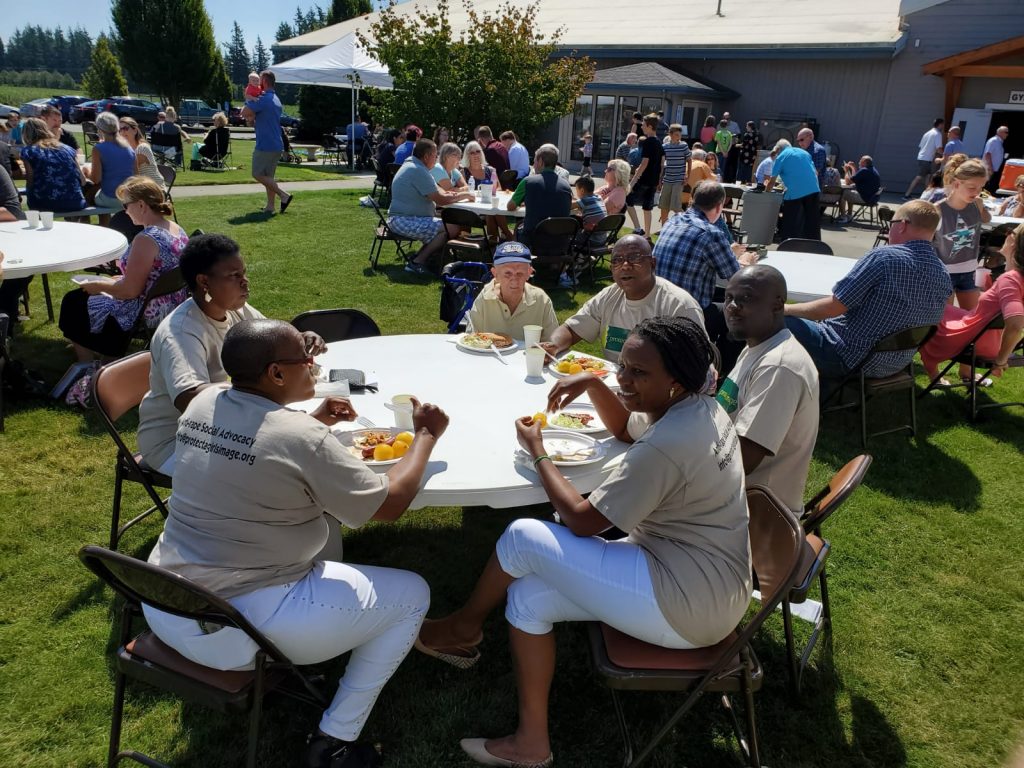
(912, 100)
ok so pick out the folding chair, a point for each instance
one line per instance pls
(551, 242)
(800, 245)
(89, 135)
(628, 664)
(901, 341)
(379, 187)
(509, 179)
(161, 142)
(969, 356)
(170, 175)
(146, 659)
(471, 245)
(461, 283)
(733, 209)
(169, 282)
(885, 222)
(814, 553)
(331, 147)
(5, 323)
(337, 324)
(389, 177)
(858, 206)
(384, 234)
(829, 199)
(117, 388)
(586, 256)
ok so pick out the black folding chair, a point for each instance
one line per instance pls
(5, 323)
(467, 244)
(170, 175)
(901, 341)
(551, 242)
(589, 251)
(384, 234)
(509, 179)
(146, 659)
(461, 283)
(331, 148)
(337, 324)
(729, 667)
(169, 282)
(800, 245)
(884, 223)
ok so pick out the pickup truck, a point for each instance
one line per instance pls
(196, 111)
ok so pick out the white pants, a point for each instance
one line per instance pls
(564, 577)
(374, 612)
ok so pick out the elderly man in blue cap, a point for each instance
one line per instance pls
(509, 302)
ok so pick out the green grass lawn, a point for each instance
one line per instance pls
(926, 584)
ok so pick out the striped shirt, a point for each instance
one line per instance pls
(676, 156)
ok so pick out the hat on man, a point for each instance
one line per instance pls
(511, 252)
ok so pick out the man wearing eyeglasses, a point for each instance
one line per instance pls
(892, 288)
(637, 294)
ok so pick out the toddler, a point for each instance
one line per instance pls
(252, 92)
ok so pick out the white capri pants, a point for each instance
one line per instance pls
(374, 612)
(564, 577)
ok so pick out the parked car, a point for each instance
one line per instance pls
(144, 112)
(196, 111)
(32, 108)
(5, 110)
(287, 121)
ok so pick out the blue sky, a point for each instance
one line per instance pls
(256, 17)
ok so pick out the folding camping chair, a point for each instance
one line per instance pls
(461, 283)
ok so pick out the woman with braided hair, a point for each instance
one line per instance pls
(680, 578)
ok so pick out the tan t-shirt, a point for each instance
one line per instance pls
(490, 314)
(611, 316)
(772, 397)
(699, 171)
(252, 484)
(679, 494)
(186, 353)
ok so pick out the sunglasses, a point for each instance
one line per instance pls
(124, 128)
(305, 360)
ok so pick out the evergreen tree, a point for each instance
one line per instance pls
(284, 32)
(218, 90)
(236, 57)
(260, 56)
(348, 9)
(3, 55)
(104, 78)
(167, 45)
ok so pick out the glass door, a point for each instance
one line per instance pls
(651, 105)
(582, 120)
(603, 130)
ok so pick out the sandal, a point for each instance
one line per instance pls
(984, 383)
(466, 657)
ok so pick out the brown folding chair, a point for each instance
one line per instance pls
(337, 324)
(969, 356)
(149, 660)
(829, 199)
(815, 552)
(169, 176)
(901, 341)
(885, 222)
(628, 664)
(117, 388)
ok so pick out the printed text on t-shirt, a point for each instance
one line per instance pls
(210, 445)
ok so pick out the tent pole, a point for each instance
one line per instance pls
(352, 144)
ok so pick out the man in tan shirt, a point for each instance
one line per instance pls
(509, 302)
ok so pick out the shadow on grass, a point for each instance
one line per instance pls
(251, 217)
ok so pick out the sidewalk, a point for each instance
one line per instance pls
(363, 181)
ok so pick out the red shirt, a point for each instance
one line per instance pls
(497, 156)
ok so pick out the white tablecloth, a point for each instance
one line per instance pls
(497, 206)
(65, 248)
(999, 220)
(809, 276)
(472, 463)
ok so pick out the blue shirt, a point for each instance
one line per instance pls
(359, 129)
(268, 122)
(953, 146)
(404, 152)
(820, 160)
(56, 180)
(410, 190)
(118, 163)
(796, 170)
(868, 183)
(439, 174)
(676, 156)
(892, 288)
(691, 252)
(519, 160)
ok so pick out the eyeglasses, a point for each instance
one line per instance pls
(307, 360)
(898, 221)
(629, 258)
(124, 128)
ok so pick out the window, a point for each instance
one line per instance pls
(582, 118)
(604, 125)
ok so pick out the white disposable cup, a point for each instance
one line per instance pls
(534, 362)
(531, 334)
(33, 218)
(485, 193)
(402, 406)
(47, 219)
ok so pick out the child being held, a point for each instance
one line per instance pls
(252, 92)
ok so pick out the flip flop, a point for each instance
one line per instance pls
(981, 382)
(286, 203)
(469, 655)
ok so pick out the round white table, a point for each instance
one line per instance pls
(808, 276)
(472, 464)
(64, 248)
(497, 207)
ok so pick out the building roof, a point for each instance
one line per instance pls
(651, 76)
(687, 28)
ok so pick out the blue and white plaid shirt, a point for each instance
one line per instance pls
(892, 288)
(691, 252)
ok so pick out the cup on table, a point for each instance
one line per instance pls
(402, 406)
(534, 362)
(531, 334)
(33, 218)
(485, 193)
(47, 218)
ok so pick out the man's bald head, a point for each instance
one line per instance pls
(632, 244)
(805, 133)
(252, 345)
(767, 278)
(755, 301)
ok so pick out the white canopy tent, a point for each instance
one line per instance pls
(341, 64)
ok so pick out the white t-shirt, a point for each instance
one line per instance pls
(679, 494)
(253, 482)
(186, 353)
(772, 397)
(931, 143)
(994, 149)
(611, 316)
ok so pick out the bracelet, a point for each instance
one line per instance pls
(540, 458)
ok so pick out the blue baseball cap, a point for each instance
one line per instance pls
(511, 252)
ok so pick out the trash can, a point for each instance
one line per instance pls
(760, 216)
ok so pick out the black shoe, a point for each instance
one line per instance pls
(286, 203)
(328, 752)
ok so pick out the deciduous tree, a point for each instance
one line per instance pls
(104, 78)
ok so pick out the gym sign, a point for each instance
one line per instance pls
(1017, 97)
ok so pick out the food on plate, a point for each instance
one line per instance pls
(405, 437)
(573, 363)
(567, 420)
(579, 454)
(383, 452)
(540, 418)
(378, 445)
(484, 340)
(399, 448)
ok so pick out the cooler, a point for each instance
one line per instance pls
(760, 216)
(1011, 170)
